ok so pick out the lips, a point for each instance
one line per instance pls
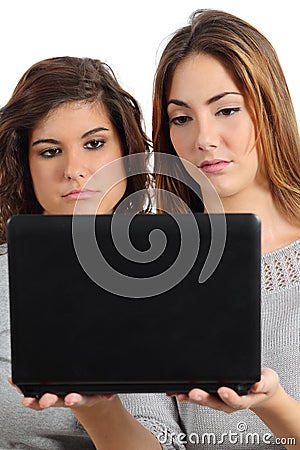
(79, 194)
(214, 165)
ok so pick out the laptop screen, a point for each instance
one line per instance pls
(130, 309)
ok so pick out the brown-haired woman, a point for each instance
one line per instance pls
(67, 118)
(221, 102)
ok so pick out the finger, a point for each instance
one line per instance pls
(236, 402)
(48, 400)
(75, 400)
(14, 385)
(181, 397)
(269, 381)
(232, 399)
(203, 398)
(258, 387)
(31, 403)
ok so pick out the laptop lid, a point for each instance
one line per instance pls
(72, 330)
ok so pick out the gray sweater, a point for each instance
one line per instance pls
(188, 426)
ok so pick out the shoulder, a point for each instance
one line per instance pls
(3, 264)
(3, 249)
(291, 247)
(281, 268)
(3, 255)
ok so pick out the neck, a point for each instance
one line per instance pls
(276, 229)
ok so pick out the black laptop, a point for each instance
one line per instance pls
(150, 303)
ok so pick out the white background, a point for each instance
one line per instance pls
(128, 35)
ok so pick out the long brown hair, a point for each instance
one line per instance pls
(252, 60)
(45, 86)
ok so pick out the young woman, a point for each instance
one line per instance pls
(221, 102)
(67, 118)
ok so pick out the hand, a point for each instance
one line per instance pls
(229, 401)
(72, 400)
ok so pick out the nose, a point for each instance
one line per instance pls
(74, 167)
(206, 137)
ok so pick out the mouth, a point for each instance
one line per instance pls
(79, 194)
(214, 165)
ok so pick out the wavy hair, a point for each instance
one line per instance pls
(253, 62)
(45, 86)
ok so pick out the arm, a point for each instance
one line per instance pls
(133, 421)
(267, 399)
(281, 414)
(111, 427)
(105, 419)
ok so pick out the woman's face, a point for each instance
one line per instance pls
(210, 125)
(66, 149)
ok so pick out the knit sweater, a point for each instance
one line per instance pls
(20, 427)
(188, 426)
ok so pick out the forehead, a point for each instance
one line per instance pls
(202, 73)
(77, 114)
(74, 108)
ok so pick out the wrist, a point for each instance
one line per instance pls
(100, 403)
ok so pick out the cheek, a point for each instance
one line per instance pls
(243, 138)
(113, 197)
(253, 156)
(102, 159)
(42, 176)
(44, 180)
(121, 187)
(181, 141)
(37, 176)
(108, 175)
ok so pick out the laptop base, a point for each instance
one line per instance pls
(89, 389)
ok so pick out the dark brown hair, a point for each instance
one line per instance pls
(253, 62)
(45, 86)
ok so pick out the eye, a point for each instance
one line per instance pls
(94, 144)
(50, 152)
(228, 111)
(180, 120)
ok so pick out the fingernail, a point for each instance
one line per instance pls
(69, 403)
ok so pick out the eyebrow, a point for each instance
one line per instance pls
(213, 99)
(55, 141)
(94, 130)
